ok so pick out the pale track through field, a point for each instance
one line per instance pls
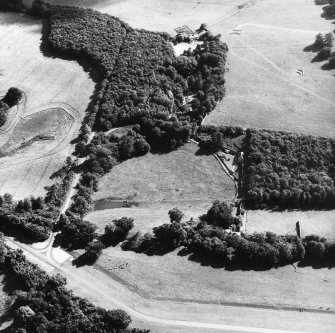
(103, 293)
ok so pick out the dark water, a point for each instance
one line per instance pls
(79, 3)
(110, 204)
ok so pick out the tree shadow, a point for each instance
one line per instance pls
(312, 48)
(82, 260)
(206, 261)
(203, 152)
(327, 67)
(316, 264)
(321, 2)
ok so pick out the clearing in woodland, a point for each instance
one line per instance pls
(159, 182)
(48, 109)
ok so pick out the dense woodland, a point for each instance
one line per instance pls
(30, 218)
(46, 306)
(288, 170)
(142, 76)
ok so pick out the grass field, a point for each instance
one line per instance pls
(158, 183)
(43, 79)
(178, 176)
(311, 222)
(263, 87)
(157, 277)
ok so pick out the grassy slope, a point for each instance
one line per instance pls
(163, 277)
(160, 182)
(177, 176)
(263, 88)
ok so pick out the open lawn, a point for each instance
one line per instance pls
(159, 182)
(57, 93)
(181, 175)
(161, 277)
(264, 89)
(311, 222)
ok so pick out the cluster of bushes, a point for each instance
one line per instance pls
(75, 232)
(29, 218)
(209, 241)
(47, 306)
(288, 170)
(171, 235)
(319, 250)
(325, 46)
(56, 193)
(213, 138)
(117, 231)
(12, 97)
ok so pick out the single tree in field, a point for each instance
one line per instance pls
(329, 39)
(175, 215)
(319, 41)
(12, 96)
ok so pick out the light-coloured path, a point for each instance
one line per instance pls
(103, 291)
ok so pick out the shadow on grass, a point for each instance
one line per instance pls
(312, 48)
(82, 260)
(204, 152)
(218, 263)
(321, 2)
(316, 265)
(327, 67)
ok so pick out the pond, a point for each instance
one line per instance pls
(110, 204)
